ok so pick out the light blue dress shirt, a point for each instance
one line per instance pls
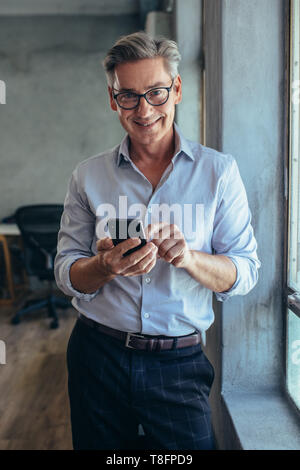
(166, 301)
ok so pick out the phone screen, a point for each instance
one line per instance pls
(122, 229)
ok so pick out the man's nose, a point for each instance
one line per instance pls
(144, 108)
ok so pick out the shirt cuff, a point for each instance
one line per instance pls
(223, 296)
(68, 284)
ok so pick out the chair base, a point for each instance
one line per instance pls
(51, 302)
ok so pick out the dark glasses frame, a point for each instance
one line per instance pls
(144, 95)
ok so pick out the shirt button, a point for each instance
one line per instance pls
(147, 280)
(146, 315)
(150, 209)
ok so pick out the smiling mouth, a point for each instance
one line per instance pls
(147, 124)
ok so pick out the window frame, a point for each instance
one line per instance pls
(289, 303)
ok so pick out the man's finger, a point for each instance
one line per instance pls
(104, 244)
(139, 265)
(131, 261)
(154, 228)
(166, 232)
(146, 270)
(128, 244)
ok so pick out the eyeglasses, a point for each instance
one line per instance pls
(155, 97)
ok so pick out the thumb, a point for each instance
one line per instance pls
(104, 244)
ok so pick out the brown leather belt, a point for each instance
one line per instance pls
(145, 342)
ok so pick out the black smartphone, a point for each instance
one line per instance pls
(122, 229)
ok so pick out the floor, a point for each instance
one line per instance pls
(34, 406)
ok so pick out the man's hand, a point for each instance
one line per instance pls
(170, 242)
(216, 272)
(112, 262)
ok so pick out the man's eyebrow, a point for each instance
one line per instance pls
(126, 89)
(155, 85)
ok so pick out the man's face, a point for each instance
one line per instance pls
(139, 77)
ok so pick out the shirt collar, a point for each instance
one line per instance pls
(181, 145)
(123, 153)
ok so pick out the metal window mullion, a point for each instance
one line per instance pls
(294, 156)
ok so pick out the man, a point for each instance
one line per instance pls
(158, 376)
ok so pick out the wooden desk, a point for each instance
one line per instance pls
(9, 229)
(6, 231)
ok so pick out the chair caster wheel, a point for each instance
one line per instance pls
(15, 320)
(54, 324)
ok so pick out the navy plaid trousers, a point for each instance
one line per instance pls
(113, 389)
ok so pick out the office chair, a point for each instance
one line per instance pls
(39, 225)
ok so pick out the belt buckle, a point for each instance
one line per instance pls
(128, 338)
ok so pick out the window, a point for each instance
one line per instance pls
(293, 278)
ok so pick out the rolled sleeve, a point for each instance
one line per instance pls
(63, 280)
(233, 234)
(75, 238)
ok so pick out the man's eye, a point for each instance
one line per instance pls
(155, 92)
(128, 96)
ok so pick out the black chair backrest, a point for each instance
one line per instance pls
(39, 225)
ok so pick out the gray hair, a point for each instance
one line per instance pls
(140, 45)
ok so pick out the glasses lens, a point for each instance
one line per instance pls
(157, 96)
(127, 100)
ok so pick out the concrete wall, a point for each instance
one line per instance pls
(69, 7)
(245, 74)
(56, 112)
(187, 33)
(253, 132)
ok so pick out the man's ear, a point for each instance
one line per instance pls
(112, 101)
(177, 87)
